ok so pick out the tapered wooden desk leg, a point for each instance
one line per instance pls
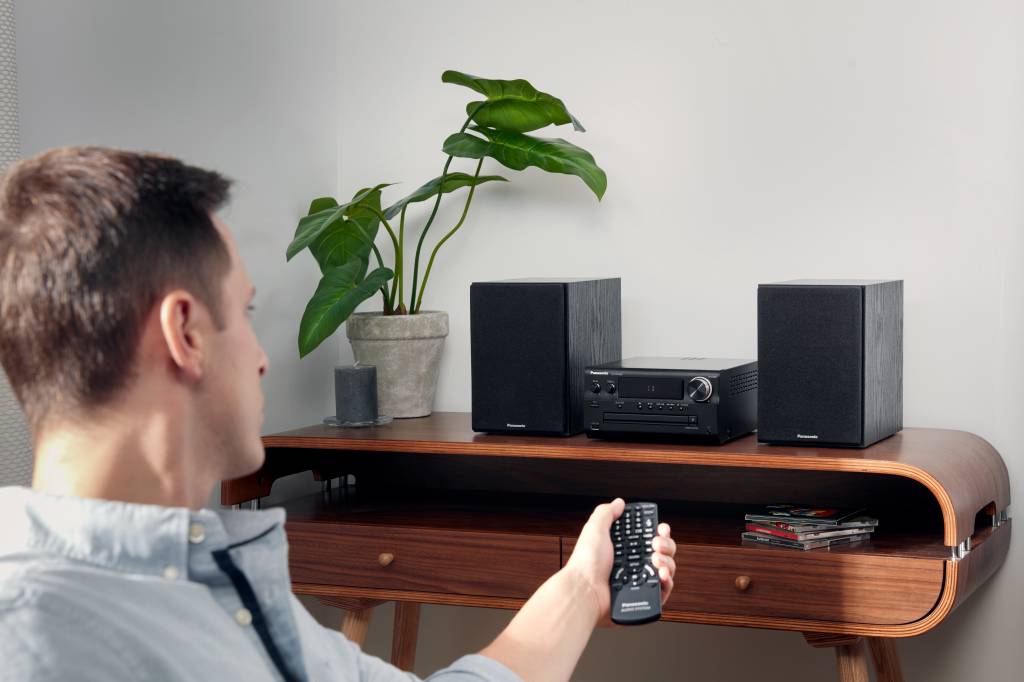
(885, 658)
(850, 659)
(403, 641)
(356, 625)
(357, 616)
(853, 666)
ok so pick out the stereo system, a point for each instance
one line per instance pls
(531, 340)
(546, 360)
(699, 399)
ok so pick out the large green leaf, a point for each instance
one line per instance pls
(517, 151)
(321, 203)
(512, 105)
(312, 226)
(452, 182)
(345, 239)
(339, 292)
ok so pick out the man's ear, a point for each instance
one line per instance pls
(179, 324)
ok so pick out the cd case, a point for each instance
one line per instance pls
(804, 544)
(801, 515)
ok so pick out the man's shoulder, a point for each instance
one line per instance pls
(47, 634)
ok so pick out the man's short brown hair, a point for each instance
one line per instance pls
(90, 240)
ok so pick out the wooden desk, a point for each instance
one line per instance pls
(441, 515)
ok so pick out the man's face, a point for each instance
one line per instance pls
(232, 398)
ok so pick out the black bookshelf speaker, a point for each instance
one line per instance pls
(830, 361)
(531, 340)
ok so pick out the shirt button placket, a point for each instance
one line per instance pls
(243, 617)
(196, 533)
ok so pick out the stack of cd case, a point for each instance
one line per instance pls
(803, 527)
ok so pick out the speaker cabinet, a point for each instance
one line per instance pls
(531, 340)
(830, 356)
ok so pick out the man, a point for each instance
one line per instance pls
(124, 331)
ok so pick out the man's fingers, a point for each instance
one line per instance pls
(664, 530)
(664, 544)
(605, 513)
(666, 583)
(664, 561)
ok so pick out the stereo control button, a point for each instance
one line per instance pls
(595, 387)
(699, 389)
(611, 388)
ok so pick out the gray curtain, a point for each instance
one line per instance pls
(15, 445)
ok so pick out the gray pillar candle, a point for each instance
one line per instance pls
(355, 393)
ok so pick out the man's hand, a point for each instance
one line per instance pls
(545, 639)
(591, 559)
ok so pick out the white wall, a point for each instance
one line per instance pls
(744, 142)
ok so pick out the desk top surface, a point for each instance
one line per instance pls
(962, 470)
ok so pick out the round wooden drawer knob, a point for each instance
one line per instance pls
(385, 558)
(742, 583)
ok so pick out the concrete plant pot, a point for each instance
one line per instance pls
(406, 350)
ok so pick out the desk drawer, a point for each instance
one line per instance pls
(849, 588)
(812, 585)
(426, 560)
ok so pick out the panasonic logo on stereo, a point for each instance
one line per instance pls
(807, 436)
(516, 426)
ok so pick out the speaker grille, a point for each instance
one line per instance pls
(742, 383)
(518, 357)
(810, 347)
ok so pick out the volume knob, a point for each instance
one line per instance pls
(699, 389)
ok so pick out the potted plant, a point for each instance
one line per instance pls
(404, 341)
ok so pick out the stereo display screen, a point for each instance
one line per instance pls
(653, 387)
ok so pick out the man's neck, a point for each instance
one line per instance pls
(144, 454)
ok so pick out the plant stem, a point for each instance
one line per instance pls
(389, 299)
(387, 226)
(380, 262)
(433, 254)
(401, 242)
(433, 212)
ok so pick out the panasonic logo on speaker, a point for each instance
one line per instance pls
(806, 436)
(516, 426)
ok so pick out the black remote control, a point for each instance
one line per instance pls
(635, 586)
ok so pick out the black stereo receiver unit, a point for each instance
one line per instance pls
(699, 399)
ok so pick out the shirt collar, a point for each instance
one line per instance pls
(134, 538)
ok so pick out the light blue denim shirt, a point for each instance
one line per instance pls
(103, 591)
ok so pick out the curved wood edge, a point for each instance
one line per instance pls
(983, 561)
(963, 471)
(960, 579)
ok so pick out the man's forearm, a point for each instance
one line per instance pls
(546, 638)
